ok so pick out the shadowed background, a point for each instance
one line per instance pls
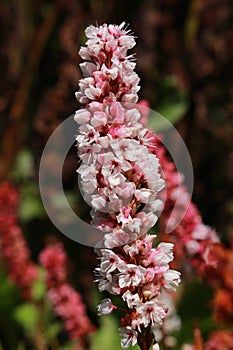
(184, 59)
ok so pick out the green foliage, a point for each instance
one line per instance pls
(9, 329)
(67, 346)
(8, 293)
(20, 347)
(23, 171)
(39, 287)
(107, 336)
(27, 315)
(30, 203)
(24, 166)
(52, 331)
(172, 107)
(194, 309)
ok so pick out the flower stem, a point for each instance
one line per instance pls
(145, 339)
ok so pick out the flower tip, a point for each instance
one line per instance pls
(105, 307)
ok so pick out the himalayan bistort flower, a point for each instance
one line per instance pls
(120, 179)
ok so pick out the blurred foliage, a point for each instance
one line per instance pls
(27, 316)
(172, 107)
(9, 301)
(39, 287)
(30, 203)
(108, 335)
(194, 308)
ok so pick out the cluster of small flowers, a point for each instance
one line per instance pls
(14, 251)
(110, 76)
(172, 322)
(221, 280)
(119, 175)
(120, 180)
(66, 301)
(193, 239)
(139, 273)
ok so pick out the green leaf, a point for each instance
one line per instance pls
(107, 336)
(21, 347)
(30, 205)
(8, 293)
(39, 286)
(194, 306)
(27, 315)
(174, 111)
(68, 346)
(24, 165)
(52, 331)
(173, 105)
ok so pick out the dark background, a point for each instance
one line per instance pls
(184, 59)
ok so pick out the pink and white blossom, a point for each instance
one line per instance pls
(67, 302)
(129, 336)
(110, 261)
(156, 347)
(120, 178)
(171, 279)
(131, 275)
(131, 299)
(151, 312)
(105, 307)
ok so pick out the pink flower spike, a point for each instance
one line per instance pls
(120, 180)
(13, 247)
(66, 301)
